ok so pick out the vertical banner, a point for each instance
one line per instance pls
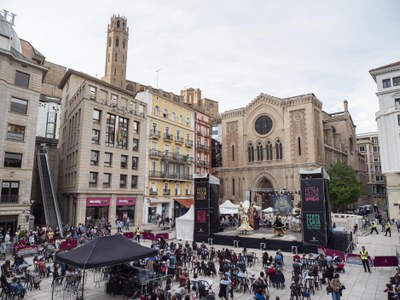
(202, 217)
(314, 211)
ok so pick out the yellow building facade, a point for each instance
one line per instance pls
(170, 152)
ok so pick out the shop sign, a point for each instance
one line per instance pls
(97, 201)
(126, 201)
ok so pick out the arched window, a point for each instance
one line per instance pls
(351, 145)
(123, 44)
(180, 118)
(165, 113)
(260, 149)
(118, 24)
(278, 149)
(173, 116)
(233, 186)
(233, 152)
(129, 87)
(299, 145)
(117, 42)
(115, 56)
(250, 152)
(109, 42)
(269, 151)
(156, 110)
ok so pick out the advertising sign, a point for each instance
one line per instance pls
(126, 201)
(201, 222)
(97, 201)
(312, 195)
(314, 228)
(201, 195)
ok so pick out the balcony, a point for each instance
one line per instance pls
(169, 176)
(166, 154)
(188, 143)
(168, 137)
(199, 133)
(179, 140)
(155, 134)
(177, 192)
(155, 153)
(153, 192)
(187, 192)
(9, 199)
(166, 192)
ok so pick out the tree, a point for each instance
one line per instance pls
(344, 187)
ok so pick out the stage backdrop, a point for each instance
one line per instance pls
(315, 207)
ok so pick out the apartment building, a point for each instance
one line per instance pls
(387, 79)
(20, 88)
(102, 146)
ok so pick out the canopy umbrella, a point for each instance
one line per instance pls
(227, 211)
(268, 210)
(229, 205)
(105, 251)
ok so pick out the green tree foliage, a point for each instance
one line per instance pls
(344, 187)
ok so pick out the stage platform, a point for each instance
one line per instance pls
(255, 239)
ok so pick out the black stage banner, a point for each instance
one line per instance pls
(312, 195)
(201, 195)
(201, 222)
(314, 228)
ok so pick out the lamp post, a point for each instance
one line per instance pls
(31, 209)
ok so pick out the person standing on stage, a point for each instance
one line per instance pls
(364, 259)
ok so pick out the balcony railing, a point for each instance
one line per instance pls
(153, 192)
(170, 176)
(177, 192)
(155, 134)
(9, 199)
(168, 137)
(199, 133)
(188, 143)
(187, 192)
(179, 140)
(155, 153)
(166, 192)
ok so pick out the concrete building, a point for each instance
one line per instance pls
(102, 136)
(387, 79)
(266, 143)
(20, 89)
(203, 143)
(368, 145)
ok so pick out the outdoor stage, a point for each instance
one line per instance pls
(255, 238)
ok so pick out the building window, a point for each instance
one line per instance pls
(110, 129)
(250, 152)
(233, 186)
(278, 149)
(135, 145)
(398, 120)
(116, 42)
(396, 81)
(299, 145)
(9, 192)
(96, 115)
(180, 118)
(51, 125)
(233, 152)
(156, 110)
(107, 159)
(269, 151)
(94, 158)
(397, 103)
(135, 162)
(135, 127)
(12, 160)
(134, 181)
(187, 120)
(95, 136)
(122, 181)
(93, 179)
(386, 83)
(351, 145)
(16, 132)
(19, 106)
(122, 133)
(22, 79)
(165, 113)
(260, 150)
(106, 179)
(173, 116)
(92, 92)
(361, 148)
(124, 161)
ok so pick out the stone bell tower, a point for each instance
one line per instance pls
(116, 51)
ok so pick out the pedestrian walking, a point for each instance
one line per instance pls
(388, 225)
(373, 227)
(398, 225)
(137, 234)
(364, 259)
(337, 287)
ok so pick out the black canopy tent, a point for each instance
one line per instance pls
(105, 251)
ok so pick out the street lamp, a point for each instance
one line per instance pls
(31, 209)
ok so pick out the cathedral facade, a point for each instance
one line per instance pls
(265, 144)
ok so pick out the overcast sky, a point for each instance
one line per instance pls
(231, 50)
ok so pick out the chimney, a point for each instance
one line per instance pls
(346, 105)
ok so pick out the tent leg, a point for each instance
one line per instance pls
(83, 283)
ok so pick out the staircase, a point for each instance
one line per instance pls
(50, 204)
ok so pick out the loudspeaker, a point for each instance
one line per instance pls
(236, 243)
(295, 250)
(263, 246)
(210, 241)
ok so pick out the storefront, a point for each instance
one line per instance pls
(182, 206)
(126, 208)
(97, 210)
(159, 207)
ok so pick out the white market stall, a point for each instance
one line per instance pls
(185, 225)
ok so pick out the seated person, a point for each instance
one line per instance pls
(23, 266)
(17, 288)
(6, 268)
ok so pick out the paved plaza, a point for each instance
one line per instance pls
(359, 285)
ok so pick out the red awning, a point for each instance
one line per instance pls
(185, 202)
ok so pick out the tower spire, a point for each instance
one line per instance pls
(116, 51)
